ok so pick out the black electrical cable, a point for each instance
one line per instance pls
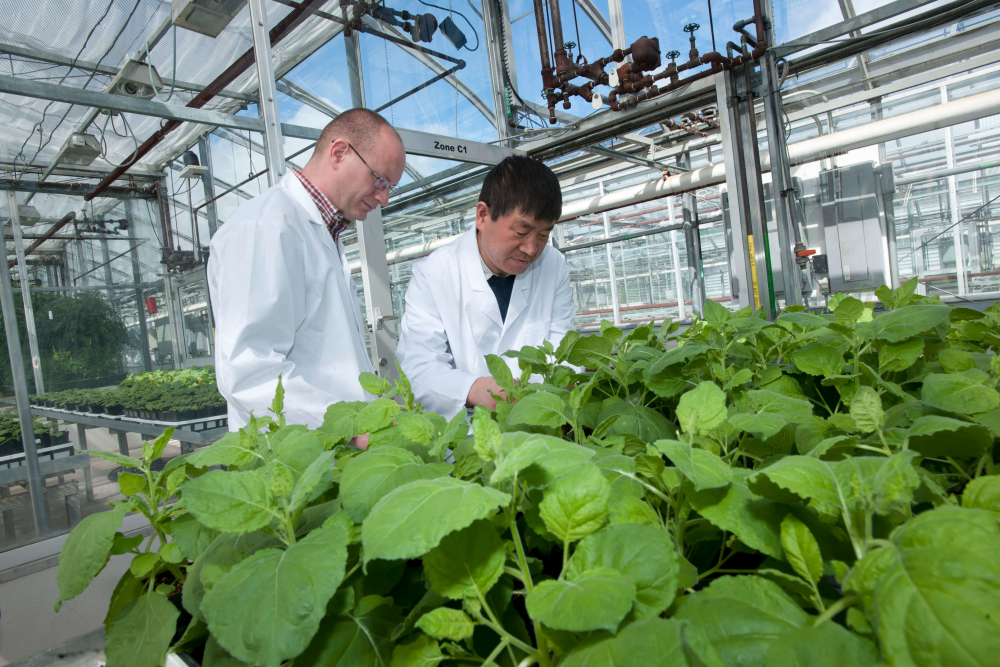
(91, 78)
(579, 44)
(503, 52)
(471, 27)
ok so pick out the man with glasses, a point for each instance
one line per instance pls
(281, 289)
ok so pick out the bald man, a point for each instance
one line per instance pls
(282, 295)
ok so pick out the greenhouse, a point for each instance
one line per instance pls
(649, 334)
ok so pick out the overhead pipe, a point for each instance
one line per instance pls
(45, 237)
(281, 30)
(818, 148)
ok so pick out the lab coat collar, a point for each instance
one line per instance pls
(473, 273)
(302, 196)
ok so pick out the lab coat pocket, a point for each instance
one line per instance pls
(535, 333)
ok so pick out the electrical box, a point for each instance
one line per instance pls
(80, 149)
(453, 33)
(207, 17)
(139, 80)
(851, 202)
(28, 214)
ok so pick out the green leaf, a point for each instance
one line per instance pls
(373, 384)
(141, 634)
(848, 309)
(715, 313)
(866, 410)
(143, 564)
(703, 468)
(280, 482)
(539, 409)
(421, 652)
(598, 600)
(132, 484)
(894, 357)
(956, 361)
(467, 563)
(819, 359)
(735, 509)
(85, 552)
(171, 553)
(958, 393)
(486, 434)
(983, 493)
(766, 412)
(501, 372)
(591, 352)
(376, 416)
(908, 322)
(191, 536)
(827, 645)
(703, 409)
(801, 549)
(416, 427)
(445, 623)
(413, 519)
(230, 502)
(338, 422)
(653, 642)
(123, 545)
(117, 459)
(648, 424)
(314, 482)
(644, 554)
(352, 637)
(566, 345)
(806, 320)
(231, 450)
(269, 606)
(742, 616)
(576, 504)
(533, 449)
(935, 594)
(936, 435)
(369, 477)
(742, 376)
(216, 656)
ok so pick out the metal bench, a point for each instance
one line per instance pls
(17, 475)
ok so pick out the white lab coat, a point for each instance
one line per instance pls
(284, 303)
(452, 320)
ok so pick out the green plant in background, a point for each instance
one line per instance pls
(818, 490)
(84, 338)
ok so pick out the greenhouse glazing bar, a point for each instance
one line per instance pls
(29, 311)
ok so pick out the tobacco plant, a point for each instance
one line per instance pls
(816, 490)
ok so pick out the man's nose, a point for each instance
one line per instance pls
(529, 246)
(382, 197)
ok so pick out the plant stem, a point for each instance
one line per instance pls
(497, 651)
(837, 607)
(514, 572)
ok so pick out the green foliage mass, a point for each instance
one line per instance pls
(188, 389)
(84, 338)
(816, 490)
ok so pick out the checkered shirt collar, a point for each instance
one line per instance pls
(332, 218)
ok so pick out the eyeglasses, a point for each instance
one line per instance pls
(380, 182)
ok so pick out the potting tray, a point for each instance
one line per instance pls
(62, 451)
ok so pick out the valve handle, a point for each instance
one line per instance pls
(691, 27)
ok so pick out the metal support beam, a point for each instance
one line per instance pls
(35, 485)
(595, 15)
(90, 98)
(208, 183)
(613, 291)
(617, 24)
(624, 157)
(140, 303)
(848, 26)
(496, 23)
(741, 277)
(268, 105)
(29, 311)
(692, 243)
(378, 295)
(783, 190)
(108, 279)
(352, 44)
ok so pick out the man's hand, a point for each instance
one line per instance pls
(479, 394)
(360, 441)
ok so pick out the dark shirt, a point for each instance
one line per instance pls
(502, 287)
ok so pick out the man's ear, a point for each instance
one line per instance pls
(482, 215)
(337, 151)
